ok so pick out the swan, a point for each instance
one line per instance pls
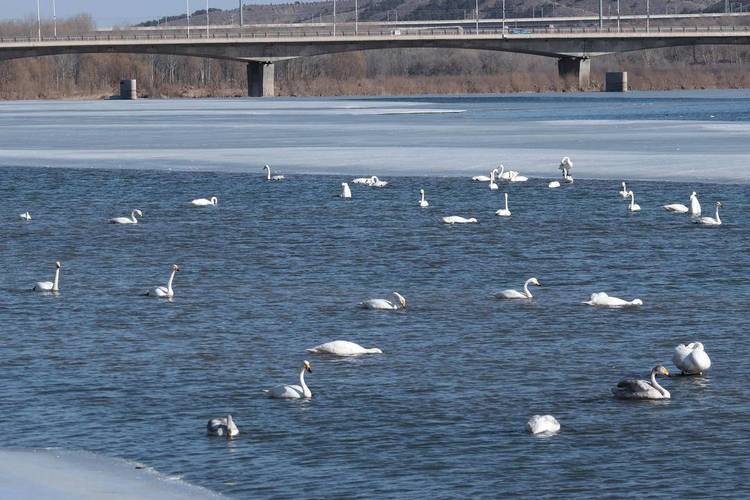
(566, 165)
(601, 299)
(567, 178)
(515, 294)
(543, 424)
(554, 184)
(26, 216)
(270, 177)
(483, 178)
(375, 182)
(505, 175)
(165, 291)
(676, 208)
(695, 206)
(493, 184)
(642, 389)
(691, 359)
(633, 207)
(204, 202)
(624, 191)
(456, 219)
(504, 212)
(346, 193)
(50, 286)
(293, 391)
(518, 178)
(361, 180)
(343, 348)
(710, 221)
(222, 426)
(422, 202)
(127, 220)
(397, 302)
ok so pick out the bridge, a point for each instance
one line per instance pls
(572, 47)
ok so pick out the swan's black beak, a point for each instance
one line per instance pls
(309, 370)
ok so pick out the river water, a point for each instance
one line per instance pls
(279, 267)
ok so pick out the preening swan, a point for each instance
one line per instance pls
(503, 174)
(361, 180)
(633, 207)
(565, 165)
(270, 177)
(624, 191)
(165, 291)
(127, 220)
(642, 389)
(343, 348)
(346, 192)
(493, 184)
(543, 424)
(695, 206)
(515, 294)
(601, 299)
(50, 286)
(375, 182)
(456, 219)
(710, 221)
(293, 391)
(222, 426)
(422, 202)
(204, 202)
(397, 302)
(691, 359)
(504, 212)
(26, 216)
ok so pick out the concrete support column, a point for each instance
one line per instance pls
(260, 79)
(576, 71)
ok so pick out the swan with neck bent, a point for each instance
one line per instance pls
(422, 202)
(343, 348)
(397, 302)
(222, 426)
(204, 202)
(300, 391)
(503, 174)
(515, 294)
(543, 424)
(601, 299)
(165, 291)
(50, 286)
(127, 220)
(504, 212)
(633, 207)
(710, 221)
(642, 389)
(346, 192)
(26, 216)
(624, 191)
(691, 359)
(457, 219)
(270, 177)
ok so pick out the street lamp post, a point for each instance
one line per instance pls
(187, 9)
(356, 17)
(618, 15)
(54, 18)
(601, 19)
(208, 30)
(240, 13)
(38, 22)
(503, 18)
(648, 16)
(476, 15)
(334, 17)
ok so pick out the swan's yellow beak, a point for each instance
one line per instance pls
(665, 372)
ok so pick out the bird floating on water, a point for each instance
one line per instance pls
(50, 286)
(515, 294)
(343, 348)
(270, 177)
(165, 291)
(504, 212)
(456, 219)
(422, 202)
(691, 359)
(633, 207)
(710, 221)
(26, 216)
(624, 191)
(222, 426)
(397, 302)
(601, 299)
(127, 220)
(642, 389)
(204, 202)
(543, 424)
(300, 391)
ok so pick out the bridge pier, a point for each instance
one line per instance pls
(260, 79)
(576, 71)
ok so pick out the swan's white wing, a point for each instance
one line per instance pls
(676, 208)
(159, 291)
(121, 220)
(339, 348)
(377, 304)
(43, 286)
(510, 294)
(286, 392)
(680, 353)
(539, 424)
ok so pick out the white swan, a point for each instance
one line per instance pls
(127, 220)
(676, 208)
(165, 291)
(567, 178)
(361, 180)
(346, 192)
(375, 182)
(515, 294)
(50, 286)
(504, 212)
(505, 175)
(624, 191)
(222, 426)
(482, 178)
(422, 202)
(565, 164)
(601, 299)
(270, 177)
(343, 348)
(293, 391)
(457, 219)
(695, 206)
(710, 221)
(633, 207)
(518, 178)
(26, 216)
(204, 202)
(691, 359)
(554, 184)
(493, 184)
(397, 302)
(642, 389)
(543, 424)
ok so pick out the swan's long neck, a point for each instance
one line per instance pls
(169, 282)
(56, 283)
(268, 172)
(632, 199)
(305, 389)
(656, 385)
(132, 216)
(421, 196)
(502, 171)
(526, 288)
(717, 214)
(506, 201)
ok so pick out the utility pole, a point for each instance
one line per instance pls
(356, 17)
(38, 22)
(476, 15)
(208, 30)
(618, 15)
(503, 18)
(601, 19)
(648, 16)
(240, 13)
(334, 17)
(54, 17)
(187, 9)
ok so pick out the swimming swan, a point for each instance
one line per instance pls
(50, 286)
(641, 389)
(504, 212)
(493, 184)
(601, 299)
(710, 221)
(127, 220)
(26, 216)
(679, 208)
(691, 359)
(518, 178)
(361, 180)
(422, 202)
(270, 177)
(204, 202)
(515, 294)
(554, 184)
(633, 207)
(456, 219)
(375, 182)
(343, 348)
(222, 427)
(483, 178)
(397, 302)
(165, 291)
(293, 391)
(346, 192)
(624, 191)
(543, 424)
(503, 174)
(695, 206)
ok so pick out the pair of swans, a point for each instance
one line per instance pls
(422, 202)
(346, 192)
(710, 221)
(396, 303)
(504, 212)
(601, 299)
(222, 426)
(270, 177)
(205, 202)
(511, 175)
(127, 220)
(543, 424)
(26, 216)
(642, 389)
(691, 359)
(300, 391)
(343, 348)
(165, 292)
(515, 294)
(565, 166)
(50, 286)
(457, 219)
(679, 208)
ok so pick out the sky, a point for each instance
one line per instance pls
(111, 12)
